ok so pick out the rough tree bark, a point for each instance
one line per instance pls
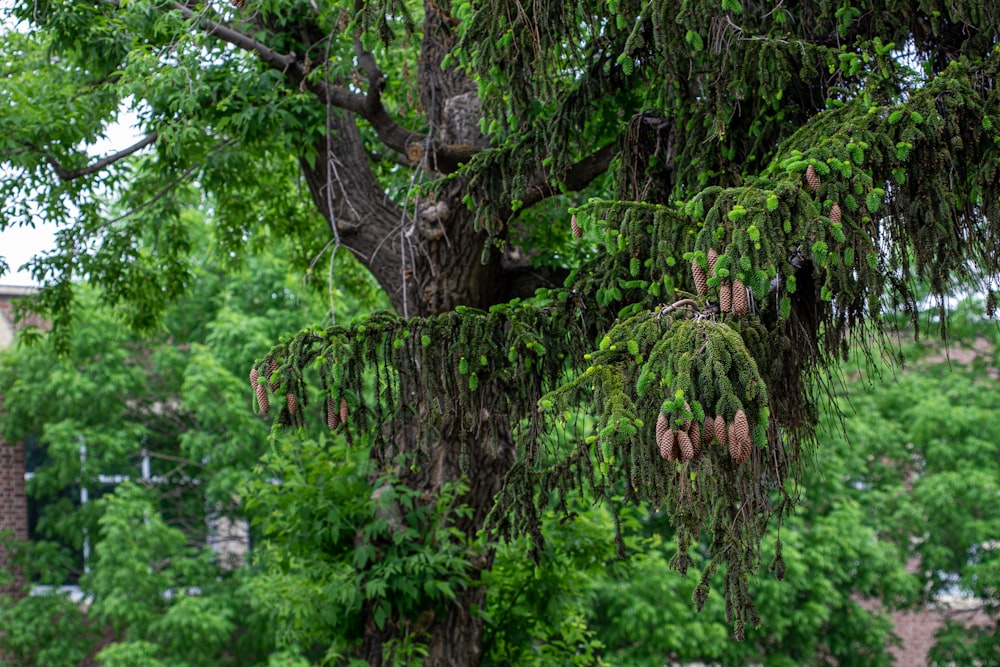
(429, 260)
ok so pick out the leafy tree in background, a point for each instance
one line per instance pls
(764, 182)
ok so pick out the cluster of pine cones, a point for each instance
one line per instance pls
(685, 444)
(733, 295)
(335, 414)
(812, 180)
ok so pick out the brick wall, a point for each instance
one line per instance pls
(13, 502)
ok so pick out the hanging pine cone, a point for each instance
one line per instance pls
(332, 418)
(726, 296)
(708, 431)
(835, 213)
(343, 410)
(237, 3)
(695, 434)
(741, 304)
(258, 389)
(293, 403)
(662, 426)
(739, 438)
(272, 365)
(685, 447)
(668, 448)
(720, 430)
(575, 226)
(734, 448)
(713, 257)
(700, 278)
(812, 178)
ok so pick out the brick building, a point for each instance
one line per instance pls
(13, 502)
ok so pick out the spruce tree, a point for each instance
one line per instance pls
(761, 183)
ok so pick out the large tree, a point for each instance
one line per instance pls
(767, 179)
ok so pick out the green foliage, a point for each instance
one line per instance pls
(332, 547)
(153, 580)
(828, 173)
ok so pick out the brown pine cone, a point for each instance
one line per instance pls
(668, 448)
(812, 178)
(720, 430)
(708, 431)
(343, 410)
(835, 213)
(741, 304)
(739, 437)
(695, 434)
(575, 226)
(662, 427)
(700, 278)
(685, 447)
(293, 403)
(726, 296)
(272, 365)
(332, 418)
(263, 404)
(713, 257)
(735, 452)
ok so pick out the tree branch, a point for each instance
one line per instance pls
(71, 174)
(446, 158)
(578, 176)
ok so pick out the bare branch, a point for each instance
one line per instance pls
(71, 174)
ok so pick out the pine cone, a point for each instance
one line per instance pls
(700, 278)
(685, 446)
(734, 447)
(662, 427)
(332, 418)
(695, 434)
(668, 448)
(812, 178)
(343, 410)
(575, 226)
(708, 431)
(725, 296)
(720, 430)
(835, 213)
(237, 3)
(739, 437)
(258, 389)
(741, 304)
(713, 257)
(293, 403)
(272, 365)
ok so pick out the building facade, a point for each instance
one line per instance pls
(13, 501)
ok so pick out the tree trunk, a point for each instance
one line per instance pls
(429, 260)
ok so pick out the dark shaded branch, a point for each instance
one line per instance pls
(578, 176)
(71, 174)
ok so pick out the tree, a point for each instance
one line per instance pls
(158, 589)
(778, 176)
